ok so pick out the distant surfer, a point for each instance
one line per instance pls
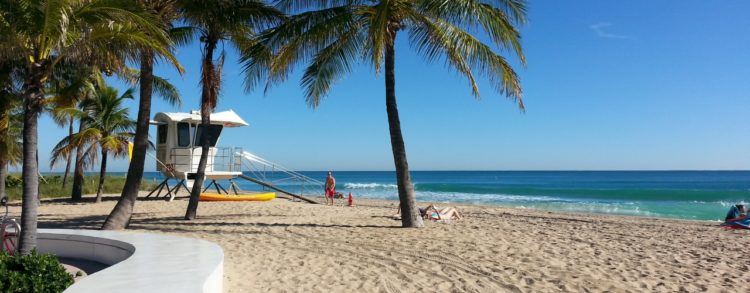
(330, 187)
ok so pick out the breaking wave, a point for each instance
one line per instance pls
(369, 186)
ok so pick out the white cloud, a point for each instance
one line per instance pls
(600, 30)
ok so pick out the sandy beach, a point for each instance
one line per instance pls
(285, 246)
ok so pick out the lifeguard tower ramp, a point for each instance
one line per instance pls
(178, 153)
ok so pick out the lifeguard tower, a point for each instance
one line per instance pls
(178, 153)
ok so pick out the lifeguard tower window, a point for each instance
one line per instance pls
(183, 134)
(161, 131)
(213, 133)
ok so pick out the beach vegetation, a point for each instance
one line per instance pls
(34, 272)
(108, 130)
(10, 131)
(39, 36)
(333, 35)
(50, 186)
(68, 86)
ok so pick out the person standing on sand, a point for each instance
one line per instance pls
(330, 187)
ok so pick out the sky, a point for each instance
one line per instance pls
(609, 85)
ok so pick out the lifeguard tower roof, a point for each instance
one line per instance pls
(227, 118)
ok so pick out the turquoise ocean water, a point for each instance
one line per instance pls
(696, 195)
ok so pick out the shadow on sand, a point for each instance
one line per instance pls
(141, 221)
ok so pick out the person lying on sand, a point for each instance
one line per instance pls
(432, 212)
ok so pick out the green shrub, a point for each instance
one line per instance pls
(32, 273)
(13, 181)
(51, 187)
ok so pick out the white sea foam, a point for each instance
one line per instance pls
(369, 186)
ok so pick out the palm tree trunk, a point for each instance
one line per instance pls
(32, 106)
(76, 193)
(119, 218)
(200, 174)
(70, 158)
(208, 96)
(409, 216)
(102, 173)
(3, 174)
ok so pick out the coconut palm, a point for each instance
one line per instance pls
(10, 129)
(44, 33)
(333, 34)
(84, 81)
(166, 13)
(10, 141)
(108, 130)
(233, 21)
(69, 85)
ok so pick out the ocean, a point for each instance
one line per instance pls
(694, 195)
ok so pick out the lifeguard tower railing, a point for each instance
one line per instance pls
(259, 170)
(220, 159)
(263, 170)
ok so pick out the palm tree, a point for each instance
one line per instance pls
(69, 85)
(10, 142)
(333, 34)
(166, 13)
(44, 33)
(86, 79)
(108, 130)
(234, 21)
(10, 130)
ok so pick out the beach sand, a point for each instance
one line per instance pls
(284, 246)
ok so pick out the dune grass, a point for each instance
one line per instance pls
(51, 187)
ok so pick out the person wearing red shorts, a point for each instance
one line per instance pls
(330, 191)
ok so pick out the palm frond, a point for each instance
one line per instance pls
(278, 50)
(330, 64)
(183, 35)
(496, 22)
(105, 125)
(161, 86)
(439, 30)
(377, 33)
(430, 35)
(167, 91)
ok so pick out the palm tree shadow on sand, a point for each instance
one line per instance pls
(146, 221)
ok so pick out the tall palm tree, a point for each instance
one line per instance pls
(166, 13)
(69, 85)
(44, 33)
(233, 21)
(108, 130)
(10, 131)
(333, 34)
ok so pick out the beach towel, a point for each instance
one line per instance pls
(737, 223)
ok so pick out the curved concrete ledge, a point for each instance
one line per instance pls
(139, 262)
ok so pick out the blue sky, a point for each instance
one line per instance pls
(610, 85)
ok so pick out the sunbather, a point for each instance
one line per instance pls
(432, 212)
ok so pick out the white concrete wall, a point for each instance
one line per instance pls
(139, 262)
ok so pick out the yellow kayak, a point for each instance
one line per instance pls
(265, 196)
